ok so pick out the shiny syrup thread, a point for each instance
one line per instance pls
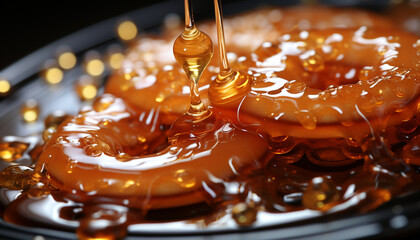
(223, 171)
(229, 85)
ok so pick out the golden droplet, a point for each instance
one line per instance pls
(281, 144)
(244, 214)
(123, 157)
(294, 155)
(67, 60)
(86, 88)
(193, 51)
(4, 86)
(307, 119)
(53, 75)
(30, 111)
(184, 178)
(295, 86)
(127, 30)
(321, 194)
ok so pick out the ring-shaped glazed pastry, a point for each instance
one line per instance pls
(113, 150)
(332, 83)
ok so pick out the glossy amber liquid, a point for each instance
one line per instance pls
(126, 166)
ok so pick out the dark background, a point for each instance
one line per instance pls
(25, 27)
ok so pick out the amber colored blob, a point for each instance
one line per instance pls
(244, 214)
(320, 194)
(193, 50)
(19, 177)
(103, 224)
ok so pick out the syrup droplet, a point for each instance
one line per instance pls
(295, 86)
(292, 156)
(320, 194)
(307, 119)
(30, 111)
(94, 146)
(230, 85)
(281, 144)
(244, 214)
(193, 50)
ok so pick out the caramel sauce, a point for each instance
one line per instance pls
(321, 120)
(230, 85)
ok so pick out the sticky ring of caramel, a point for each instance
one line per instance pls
(292, 99)
(111, 150)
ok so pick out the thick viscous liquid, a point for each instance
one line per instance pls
(247, 153)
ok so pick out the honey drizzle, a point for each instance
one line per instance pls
(224, 64)
(230, 85)
(193, 51)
